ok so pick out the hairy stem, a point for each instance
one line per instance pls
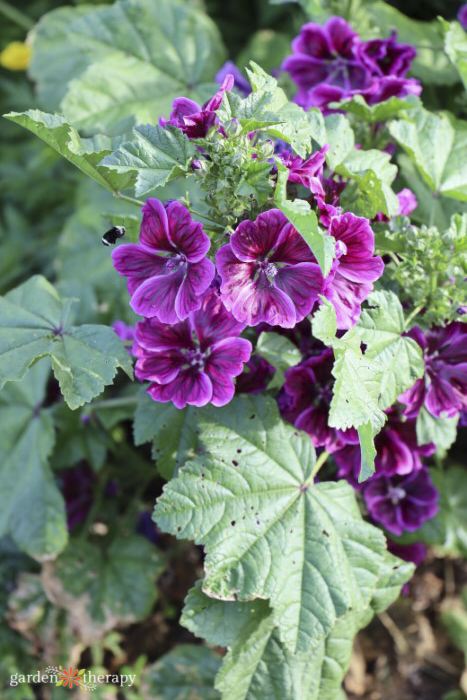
(114, 403)
(319, 463)
(412, 315)
(126, 198)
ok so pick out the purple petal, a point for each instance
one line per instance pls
(185, 234)
(302, 283)
(160, 367)
(137, 263)
(252, 240)
(156, 297)
(190, 386)
(214, 321)
(260, 301)
(291, 247)
(225, 362)
(151, 334)
(155, 228)
(234, 275)
(198, 278)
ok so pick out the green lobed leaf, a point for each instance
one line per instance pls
(437, 144)
(367, 450)
(32, 508)
(172, 431)
(338, 134)
(300, 214)
(185, 673)
(268, 530)
(381, 328)
(280, 352)
(35, 323)
(373, 174)
(441, 432)
(126, 62)
(455, 45)
(85, 154)
(155, 154)
(380, 112)
(118, 580)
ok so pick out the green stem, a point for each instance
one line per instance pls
(98, 497)
(114, 403)
(319, 463)
(206, 218)
(412, 315)
(16, 15)
(125, 198)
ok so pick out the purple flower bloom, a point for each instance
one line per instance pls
(268, 272)
(123, 330)
(355, 269)
(386, 56)
(256, 375)
(240, 82)
(305, 401)
(194, 120)
(330, 63)
(77, 488)
(443, 389)
(167, 270)
(462, 16)
(193, 361)
(407, 202)
(326, 57)
(397, 451)
(305, 172)
(401, 502)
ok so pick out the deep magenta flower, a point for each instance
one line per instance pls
(268, 272)
(401, 502)
(194, 120)
(443, 389)
(326, 56)
(462, 16)
(305, 172)
(305, 400)
(240, 82)
(407, 202)
(415, 552)
(354, 270)
(397, 451)
(167, 270)
(386, 56)
(194, 361)
(330, 63)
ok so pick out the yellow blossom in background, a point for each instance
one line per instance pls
(15, 56)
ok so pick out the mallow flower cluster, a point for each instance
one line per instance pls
(330, 63)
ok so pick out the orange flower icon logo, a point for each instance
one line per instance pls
(70, 678)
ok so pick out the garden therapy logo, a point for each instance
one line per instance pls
(70, 678)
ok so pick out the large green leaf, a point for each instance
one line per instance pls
(154, 154)
(34, 322)
(269, 531)
(172, 431)
(455, 45)
(258, 665)
(441, 432)
(379, 112)
(373, 173)
(300, 214)
(437, 144)
(85, 154)
(116, 580)
(381, 328)
(185, 673)
(32, 509)
(128, 61)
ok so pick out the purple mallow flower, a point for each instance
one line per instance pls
(240, 82)
(194, 120)
(397, 451)
(462, 16)
(415, 552)
(193, 361)
(306, 397)
(330, 63)
(167, 270)
(354, 270)
(268, 272)
(401, 502)
(443, 389)
(305, 172)
(407, 202)
(326, 58)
